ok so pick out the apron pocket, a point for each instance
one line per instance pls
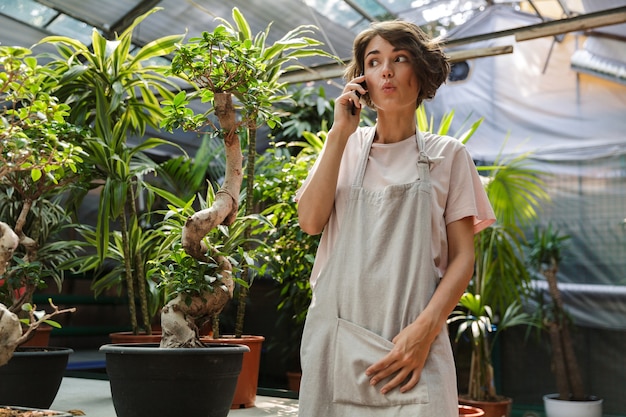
(356, 349)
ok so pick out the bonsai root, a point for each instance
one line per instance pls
(181, 316)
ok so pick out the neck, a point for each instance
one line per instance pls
(396, 128)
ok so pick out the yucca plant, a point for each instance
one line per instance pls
(115, 90)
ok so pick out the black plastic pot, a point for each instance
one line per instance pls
(33, 376)
(147, 380)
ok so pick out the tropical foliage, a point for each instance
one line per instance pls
(116, 91)
(545, 255)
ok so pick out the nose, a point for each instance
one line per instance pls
(387, 71)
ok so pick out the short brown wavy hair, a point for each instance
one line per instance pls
(430, 63)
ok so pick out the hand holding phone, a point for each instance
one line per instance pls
(358, 94)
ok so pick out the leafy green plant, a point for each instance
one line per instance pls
(226, 64)
(40, 156)
(194, 281)
(116, 92)
(289, 253)
(545, 255)
(477, 320)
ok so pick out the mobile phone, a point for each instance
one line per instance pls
(364, 85)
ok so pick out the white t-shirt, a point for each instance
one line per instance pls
(457, 189)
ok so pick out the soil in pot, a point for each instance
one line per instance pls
(30, 412)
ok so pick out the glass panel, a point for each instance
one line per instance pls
(28, 11)
(67, 26)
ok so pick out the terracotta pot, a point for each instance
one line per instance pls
(129, 337)
(469, 411)
(293, 380)
(41, 337)
(192, 381)
(499, 408)
(248, 381)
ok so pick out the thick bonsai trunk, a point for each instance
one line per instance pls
(181, 317)
(184, 315)
(8, 243)
(10, 332)
(11, 335)
(226, 204)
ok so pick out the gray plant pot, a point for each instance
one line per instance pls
(147, 380)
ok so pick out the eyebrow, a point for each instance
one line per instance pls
(376, 51)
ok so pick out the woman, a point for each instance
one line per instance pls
(398, 209)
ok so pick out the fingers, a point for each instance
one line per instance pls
(405, 373)
(353, 91)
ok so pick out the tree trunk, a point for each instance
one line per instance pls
(566, 369)
(178, 313)
(8, 243)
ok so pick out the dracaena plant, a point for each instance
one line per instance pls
(115, 90)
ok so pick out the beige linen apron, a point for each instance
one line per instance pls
(379, 278)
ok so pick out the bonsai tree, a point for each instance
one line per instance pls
(116, 92)
(545, 254)
(39, 157)
(237, 73)
(188, 283)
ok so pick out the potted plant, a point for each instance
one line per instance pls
(208, 373)
(289, 252)
(545, 255)
(237, 72)
(501, 279)
(116, 91)
(39, 157)
(477, 321)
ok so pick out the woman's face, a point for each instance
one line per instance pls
(391, 80)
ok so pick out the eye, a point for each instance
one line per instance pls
(402, 58)
(372, 62)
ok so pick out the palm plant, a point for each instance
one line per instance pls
(478, 320)
(116, 92)
(501, 279)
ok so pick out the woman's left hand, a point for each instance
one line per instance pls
(405, 361)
